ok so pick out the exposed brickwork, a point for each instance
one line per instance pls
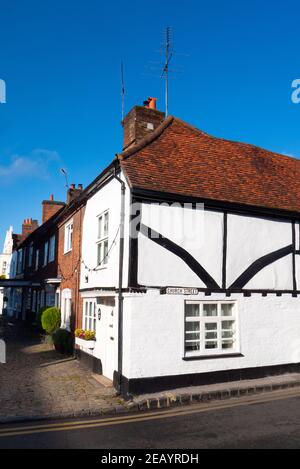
(50, 208)
(139, 122)
(28, 226)
(179, 159)
(69, 263)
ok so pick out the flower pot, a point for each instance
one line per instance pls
(85, 344)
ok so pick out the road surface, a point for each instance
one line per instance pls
(266, 421)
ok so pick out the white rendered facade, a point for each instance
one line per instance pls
(245, 266)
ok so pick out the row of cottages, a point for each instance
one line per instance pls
(183, 255)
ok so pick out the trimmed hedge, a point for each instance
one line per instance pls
(51, 320)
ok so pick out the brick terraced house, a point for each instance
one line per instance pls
(183, 256)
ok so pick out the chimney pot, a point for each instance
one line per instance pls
(51, 197)
(80, 186)
(72, 186)
(140, 121)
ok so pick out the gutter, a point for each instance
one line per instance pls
(120, 284)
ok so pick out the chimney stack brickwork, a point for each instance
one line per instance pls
(139, 122)
(50, 208)
(28, 226)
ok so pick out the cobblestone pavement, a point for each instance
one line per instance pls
(37, 382)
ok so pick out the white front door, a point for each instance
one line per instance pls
(106, 337)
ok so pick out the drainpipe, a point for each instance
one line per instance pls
(120, 295)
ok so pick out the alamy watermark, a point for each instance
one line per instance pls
(2, 92)
(2, 352)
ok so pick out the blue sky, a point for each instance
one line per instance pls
(61, 64)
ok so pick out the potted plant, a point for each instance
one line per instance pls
(85, 339)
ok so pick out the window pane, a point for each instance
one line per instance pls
(105, 251)
(192, 346)
(211, 326)
(99, 254)
(211, 345)
(211, 335)
(227, 309)
(227, 325)
(192, 326)
(227, 334)
(192, 310)
(227, 344)
(105, 224)
(210, 310)
(99, 227)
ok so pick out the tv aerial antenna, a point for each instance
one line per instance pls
(122, 90)
(65, 174)
(166, 69)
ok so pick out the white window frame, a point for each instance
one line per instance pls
(203, 320)
(68, 243)
(89, 315)
(102, 239)
(51, 256)
(66, 308)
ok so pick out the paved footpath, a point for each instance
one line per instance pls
(37, 382)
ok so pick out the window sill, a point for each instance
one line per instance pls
(210, 357)
(67, 252)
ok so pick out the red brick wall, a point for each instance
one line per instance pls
(69, 264)
(49, 208)
(136, 121)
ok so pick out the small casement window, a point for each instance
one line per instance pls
(89, 315)
(4, 267)
(46, 250)
(68, 237)
(210, 328)
(30, 255)
(52, 249)
(102, 241)
(19, 261)
(37, 259)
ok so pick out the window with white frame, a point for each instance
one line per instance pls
(30, 255)
(210, 328)
(52, 249)
(4, 267)
(68, 237)
(89, 315)
(46, 250)
(66, 308)
(102, 241)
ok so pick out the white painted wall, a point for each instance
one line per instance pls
(199, 232)
(107, 198)
(248, 239)
(154, 334)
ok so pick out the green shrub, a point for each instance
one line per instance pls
(63, 341)
(51, 320)
(39, 317)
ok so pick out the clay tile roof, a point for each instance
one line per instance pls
(180, 159)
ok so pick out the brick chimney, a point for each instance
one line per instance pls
(74, 192)
(50, 207)
(140, 121)
(28, 226)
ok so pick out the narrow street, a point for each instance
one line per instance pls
(271, 421)
(38, 382)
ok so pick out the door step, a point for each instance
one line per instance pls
(107, 383)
